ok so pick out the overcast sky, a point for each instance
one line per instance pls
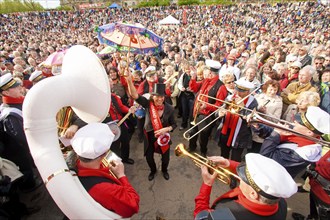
(49, 3)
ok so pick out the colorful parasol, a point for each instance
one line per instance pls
(130, 36)
(112, 49)
(55, 59)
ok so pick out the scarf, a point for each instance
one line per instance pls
(157, 124)
(259, 209)
(231, 121)
(11, 100)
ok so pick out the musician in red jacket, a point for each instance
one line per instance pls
(210, 87)
(91, 143)
(263, 185)
(117, 112)
(319, 174)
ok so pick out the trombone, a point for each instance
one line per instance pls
(235, 108)
(187, 135)
(256, 118)
(223, 174)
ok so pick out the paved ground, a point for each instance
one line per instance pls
(172, 199)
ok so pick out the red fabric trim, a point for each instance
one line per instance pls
(295, 139)
(11, 100)
(102, 172)
(259, 209)
(157, 125)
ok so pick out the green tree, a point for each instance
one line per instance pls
(10, 6)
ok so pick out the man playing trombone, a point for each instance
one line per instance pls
(297, 147)
(209, 88)
(259, 195)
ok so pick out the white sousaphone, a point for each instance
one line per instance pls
(84, 86)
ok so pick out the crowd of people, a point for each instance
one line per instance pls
(269, 60)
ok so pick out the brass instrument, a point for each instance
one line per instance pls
(223, 174)
(256, 118)
(196, 113)
(235, 108)
(108, 159)
(171, 77)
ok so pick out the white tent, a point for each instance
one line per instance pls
(169, 20)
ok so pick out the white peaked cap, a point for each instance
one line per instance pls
(92, 140)
(266, 176)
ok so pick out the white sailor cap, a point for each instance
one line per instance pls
(315, 119)
(214, 65)
(7, 81)
(243, 85)
(291, 59)
(296, 64)
(36, 76)
(151, 70)
(267, 177)
(92, 140)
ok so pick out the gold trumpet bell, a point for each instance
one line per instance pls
(223, 174)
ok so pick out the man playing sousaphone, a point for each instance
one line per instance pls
(115, 193)
(159, 121)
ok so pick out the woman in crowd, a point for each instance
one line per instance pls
(269, 103)
(267, 73)
(303, 101)
(159, 121)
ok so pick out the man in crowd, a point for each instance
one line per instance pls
(303, 57)
(291, 92)
(260, 194)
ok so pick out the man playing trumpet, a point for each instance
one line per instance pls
(259, 195)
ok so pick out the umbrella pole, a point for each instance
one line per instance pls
(128, 54)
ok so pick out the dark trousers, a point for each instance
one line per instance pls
(122, 146)
(318, 209)
(255, 147)
(140, 126)
(179, 105)
(236, 153)
(187, 104)
(150, 152)
(203, 135)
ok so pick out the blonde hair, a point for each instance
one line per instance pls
(313, 98)
(228, 77)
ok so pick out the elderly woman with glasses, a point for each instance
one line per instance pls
(269, 103)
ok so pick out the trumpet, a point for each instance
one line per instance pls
(223, 175)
